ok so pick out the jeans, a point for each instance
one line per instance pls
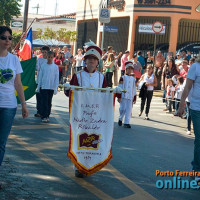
(188, 115)
(109, 78)
(147, 97)
(196, 119)
(177, 102)
(6, 119)
(46, 99)
(169, 104)
(164, 96)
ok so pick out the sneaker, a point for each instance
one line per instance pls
(173, 110)
(48, 119)
(78, 174)
(169, 112)
(37, 115)
(175, 114)
(188, 132)
(119, 122)
(147, 118)
(127, 126)
(45, 120)
(166, 109)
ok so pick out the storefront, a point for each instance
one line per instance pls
(181, 20)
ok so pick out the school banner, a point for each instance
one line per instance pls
(91, 116)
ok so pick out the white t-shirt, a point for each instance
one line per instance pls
(194, 74)
(170, 89)
(179, 91)
(78, 59)
(48, 77)
(9, 67)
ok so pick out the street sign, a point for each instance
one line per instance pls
(147, 28)
(110, 29)
(104, 15)
(157, 27)
(16, 24)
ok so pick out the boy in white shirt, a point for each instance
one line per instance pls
(127, 82)
(40, 62)
(48, 81)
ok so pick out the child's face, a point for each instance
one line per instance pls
(50, 58)
(169, 83)
(129, 70)
(44, 53)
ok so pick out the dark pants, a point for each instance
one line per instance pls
(164, 96)
(195, 115)
(78, 69)
(46, 99)
(109, 78)
(148, 96)
(177, 102)
(6, 119)
(38, 105)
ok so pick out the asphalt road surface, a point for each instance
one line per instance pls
(36, 164)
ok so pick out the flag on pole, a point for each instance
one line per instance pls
(26, 52)
(28, 78)
(91, 116)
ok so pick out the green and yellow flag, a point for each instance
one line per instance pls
(28, 78)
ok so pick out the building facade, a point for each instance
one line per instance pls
(181, 20)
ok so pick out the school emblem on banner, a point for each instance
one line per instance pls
(91, 129)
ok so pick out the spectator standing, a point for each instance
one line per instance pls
(58, 61)
(193, 81)
(137, 68)
(109, 64)
(179, 59)
(123, 60)
(178, 93)
(170, 95)
(48, 82)
(10, 80)
(78, 60)
(69, 59)
(150, 81)
(184, 69)
(141, 60)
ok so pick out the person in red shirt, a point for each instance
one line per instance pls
(184, 70)
(123, 60)
(58, 61)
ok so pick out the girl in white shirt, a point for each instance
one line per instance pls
(150, 81)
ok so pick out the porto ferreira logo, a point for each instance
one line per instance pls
(88, 141)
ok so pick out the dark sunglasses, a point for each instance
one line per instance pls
(5, 37)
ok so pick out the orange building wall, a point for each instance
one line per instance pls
(89, 9)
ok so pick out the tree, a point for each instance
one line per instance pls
(60, 35)
(16, 37)
(8, 10)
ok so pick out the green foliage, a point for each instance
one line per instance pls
(8, 10)
(16, 37)
(60, 35)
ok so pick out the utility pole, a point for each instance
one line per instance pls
(37, 8)
(25, 15)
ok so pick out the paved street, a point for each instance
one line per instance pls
(36, 165)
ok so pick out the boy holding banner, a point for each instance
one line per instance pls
(88, 77)
(127, 82)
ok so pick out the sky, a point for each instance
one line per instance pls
(48, 7)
